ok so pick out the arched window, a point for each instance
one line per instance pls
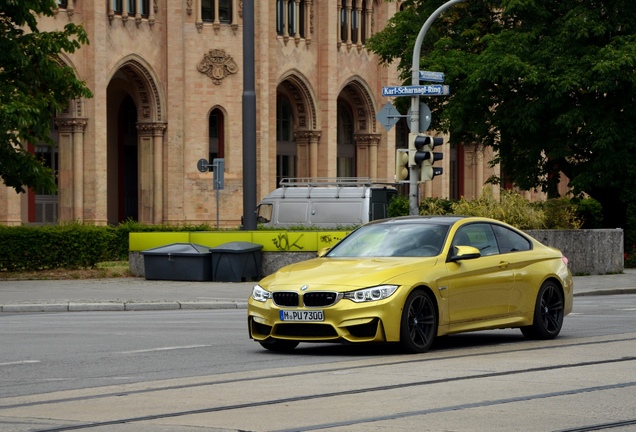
(216, 135)
(355, 24)
(363, 22)
(211, 8)
(128, 6)
(344, 22)
(290, 18)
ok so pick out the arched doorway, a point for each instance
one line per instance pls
(285, 141)
(346, 158)
(134, 153)
(358, 140)
(296, 135)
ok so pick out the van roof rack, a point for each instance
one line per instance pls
(339, 182)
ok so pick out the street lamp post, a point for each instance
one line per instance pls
(415, 103)
(249, 119)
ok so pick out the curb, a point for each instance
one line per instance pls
(132, 306)
(608, 291)
(118, 306)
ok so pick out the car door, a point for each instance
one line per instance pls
(480, 288)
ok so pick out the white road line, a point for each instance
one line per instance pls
(19, 362)
(164, 349)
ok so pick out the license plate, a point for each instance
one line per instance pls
(302, 315)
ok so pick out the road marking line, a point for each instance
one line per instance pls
(20, 362)
(164, 349)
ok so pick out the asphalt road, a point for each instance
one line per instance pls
(194, 370)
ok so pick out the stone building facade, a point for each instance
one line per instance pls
(167, 80)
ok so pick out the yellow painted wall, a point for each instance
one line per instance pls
(272, 241)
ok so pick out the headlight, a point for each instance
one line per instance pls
(259, 294)
(371, 294)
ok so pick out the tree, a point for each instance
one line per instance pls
(549, 85)
(34, 85)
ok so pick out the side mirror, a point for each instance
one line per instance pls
(464, 252)
(322, 252)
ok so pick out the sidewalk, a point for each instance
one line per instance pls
(130, 294)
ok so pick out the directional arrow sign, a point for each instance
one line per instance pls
(388, 116)
(424, 90)
(432, 76)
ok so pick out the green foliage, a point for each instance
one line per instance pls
(511, 208)
(70, 246)
(590, 212)
(34, 85)
(399, 206)
(630, 237)
(560, 213)
(538, 81)
(436, 206)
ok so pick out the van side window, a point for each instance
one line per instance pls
(264, 213)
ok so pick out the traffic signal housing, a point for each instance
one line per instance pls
(422, 154)
(401, 165)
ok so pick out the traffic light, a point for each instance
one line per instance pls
(421, 154)
(401, 165)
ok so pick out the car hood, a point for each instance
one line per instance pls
(324, 273)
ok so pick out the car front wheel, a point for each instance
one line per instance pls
(548, 313)
(419, 322)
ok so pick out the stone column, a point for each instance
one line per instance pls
(367, 154)
(71, 168)
(151, 171)
(307, 152)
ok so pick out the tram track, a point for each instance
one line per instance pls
(420, 359)
(380, 389)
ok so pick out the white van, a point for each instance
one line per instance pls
(325, 203)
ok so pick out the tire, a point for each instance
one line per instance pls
(418, 326)
(279, 345)
(548, 313)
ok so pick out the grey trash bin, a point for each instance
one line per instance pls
(178, 261)
(236, 262)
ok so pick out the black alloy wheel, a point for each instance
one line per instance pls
(548, 313)
(419, 322)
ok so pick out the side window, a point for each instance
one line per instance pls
(510, 241)
(477, 235)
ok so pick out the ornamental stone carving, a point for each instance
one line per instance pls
(217, 64)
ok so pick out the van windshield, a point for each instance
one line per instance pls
(264, 213)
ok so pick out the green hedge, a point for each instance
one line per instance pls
(76, 245)
(512, 208)
(71, 245)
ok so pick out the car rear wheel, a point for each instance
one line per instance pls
(548, 313)
(419, 323)
(279, 345)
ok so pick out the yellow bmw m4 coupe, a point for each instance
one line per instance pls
(413, 278)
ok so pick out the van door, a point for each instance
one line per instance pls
(379, 205)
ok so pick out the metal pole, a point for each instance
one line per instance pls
(414, 171)
(249, 119)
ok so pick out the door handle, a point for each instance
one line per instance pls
(503, 264)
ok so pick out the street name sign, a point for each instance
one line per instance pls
(421, 90)
(432, 76)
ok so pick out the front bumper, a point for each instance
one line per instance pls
(345, 321)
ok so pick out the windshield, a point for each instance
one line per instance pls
(392, 240)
